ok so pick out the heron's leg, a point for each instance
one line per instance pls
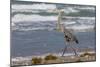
(64, 50)
(74, 50)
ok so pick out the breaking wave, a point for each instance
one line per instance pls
(33, 17)
(34, 6)
(28, 18)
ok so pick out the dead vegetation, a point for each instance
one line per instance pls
(36, 60)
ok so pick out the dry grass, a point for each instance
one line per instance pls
(50, 57)
(47, 59)
(87, 54)
(36, 60)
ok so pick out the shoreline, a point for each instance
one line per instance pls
(56, 54)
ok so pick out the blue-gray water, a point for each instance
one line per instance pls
(27, 43)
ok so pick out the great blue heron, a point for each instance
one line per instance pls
(68, 36)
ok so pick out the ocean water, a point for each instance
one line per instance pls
(28, 43)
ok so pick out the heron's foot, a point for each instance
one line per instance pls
(76, 54)
(62, 55)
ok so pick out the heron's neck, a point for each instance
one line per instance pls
(59, 24)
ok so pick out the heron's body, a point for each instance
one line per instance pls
(69, 37)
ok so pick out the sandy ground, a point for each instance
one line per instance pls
(70, 59)
(84, 57)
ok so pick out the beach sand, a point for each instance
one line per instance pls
(40, 60)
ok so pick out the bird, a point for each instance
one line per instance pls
(68, 35)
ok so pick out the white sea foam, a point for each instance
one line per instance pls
(70, 22)
(70, 10)
(41, 6)
(27, 18)
(89, 18)
(74, 28)
(25, 10)
(88, 8)
(86, 23)
(34, 28)
(70, 17)
(81, 27)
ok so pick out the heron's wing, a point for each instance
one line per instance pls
(70, 35)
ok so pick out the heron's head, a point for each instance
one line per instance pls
(61, 11)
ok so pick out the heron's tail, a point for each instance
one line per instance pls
(76, 41)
